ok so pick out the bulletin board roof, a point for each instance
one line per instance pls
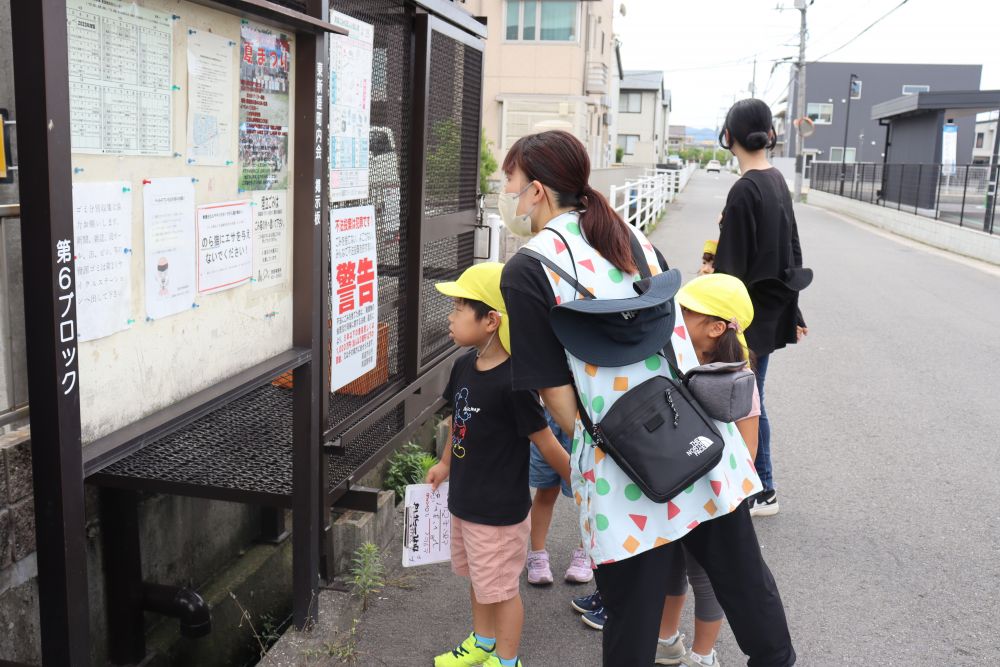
(276, 13)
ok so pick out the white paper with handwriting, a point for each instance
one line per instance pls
(427, 523)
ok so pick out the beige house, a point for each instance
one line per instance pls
(643, 119)
(548, 66)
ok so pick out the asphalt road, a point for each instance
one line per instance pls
(887, 547)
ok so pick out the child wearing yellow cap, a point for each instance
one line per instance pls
(487, 463)
(717, 310)
(708, 257)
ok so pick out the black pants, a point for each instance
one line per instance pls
(633, 590)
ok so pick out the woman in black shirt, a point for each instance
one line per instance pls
(759, 244)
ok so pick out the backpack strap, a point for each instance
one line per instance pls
(562, 273)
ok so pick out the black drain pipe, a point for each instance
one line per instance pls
(127, 595)
(180, 603)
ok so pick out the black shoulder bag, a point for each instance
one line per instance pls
(656, 432)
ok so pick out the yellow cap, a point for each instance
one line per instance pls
(719, 295)
(710, 247)
(481, 282)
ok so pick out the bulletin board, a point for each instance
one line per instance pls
(145, 347)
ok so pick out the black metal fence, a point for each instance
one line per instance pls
(958, 194)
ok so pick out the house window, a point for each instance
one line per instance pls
(629, 102)
(979, 139)
(628, 142)
(837, 154)
(541, 20)
(913, 89)
(821, 113)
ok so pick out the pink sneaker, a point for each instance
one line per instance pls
(539, 572)
(579, 571)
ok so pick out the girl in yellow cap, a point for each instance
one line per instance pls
(717, 310)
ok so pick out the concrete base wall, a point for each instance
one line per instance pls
(946, 236)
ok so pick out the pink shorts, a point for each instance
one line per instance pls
(492, 557)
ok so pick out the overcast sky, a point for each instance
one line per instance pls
(706, 47)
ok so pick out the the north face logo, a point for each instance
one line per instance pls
(699, 445)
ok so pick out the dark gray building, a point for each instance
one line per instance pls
(827, 87)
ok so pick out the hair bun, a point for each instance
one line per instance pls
(756, 140)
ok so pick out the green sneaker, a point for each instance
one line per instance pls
(465, 654)
(494, 661)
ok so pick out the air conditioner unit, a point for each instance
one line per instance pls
(606, 101)
(607, 118)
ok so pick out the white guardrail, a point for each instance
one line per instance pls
(641, 202)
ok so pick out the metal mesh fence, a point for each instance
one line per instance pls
(444, 260)
(959, 194)
(389, 146)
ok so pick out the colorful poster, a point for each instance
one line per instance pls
(225, 258)
(168, 227)
(354, 287)
(265, 62)
(270, 239)
(427, 521)
(102, 233)
(210, 100)
(120, 60)
(350, 108)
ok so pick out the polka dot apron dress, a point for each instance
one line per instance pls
(616, 520)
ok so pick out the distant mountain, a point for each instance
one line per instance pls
(701, 134)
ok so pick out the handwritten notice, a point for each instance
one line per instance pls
(265, 63)
(210, 99)
(350, 108)
(168, 226)
(354, 283)
(225, 258)
(270, 239)
(102, 231)
(120, 59)
(427, 524)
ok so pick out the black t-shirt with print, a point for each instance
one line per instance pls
(538, 358)
(489, 441)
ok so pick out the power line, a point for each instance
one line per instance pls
(876, 22)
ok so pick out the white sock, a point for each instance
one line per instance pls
(671, 640)
(704, 659)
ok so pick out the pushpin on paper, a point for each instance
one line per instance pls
(77, 170)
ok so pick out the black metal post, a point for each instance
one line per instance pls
(847, 124)
(119, 512)
(899, 195)
(937, 201)
(920, 178)
(965, 190)
(41, 84)
(991, 196)
(309, 316)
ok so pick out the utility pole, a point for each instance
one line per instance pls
(753, 81)
(800, 103)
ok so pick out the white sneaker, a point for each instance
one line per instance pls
(670, 654)
(695, 660)
(765, 504)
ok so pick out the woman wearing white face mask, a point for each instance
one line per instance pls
(630, 538)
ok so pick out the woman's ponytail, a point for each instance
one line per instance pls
(605, 230)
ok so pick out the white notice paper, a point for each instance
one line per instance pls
(120, 57)
(210, 99)
(354, 284)
(350, 108)
(225, 259)
(102, 230)
(168, 223)
(427, 524)
(270, 238)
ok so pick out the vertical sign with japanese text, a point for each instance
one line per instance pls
(66, 360)
(265, 63)
(350, 108)
(354, 287)
(225, 259)
(102, 231)
(949, 149)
